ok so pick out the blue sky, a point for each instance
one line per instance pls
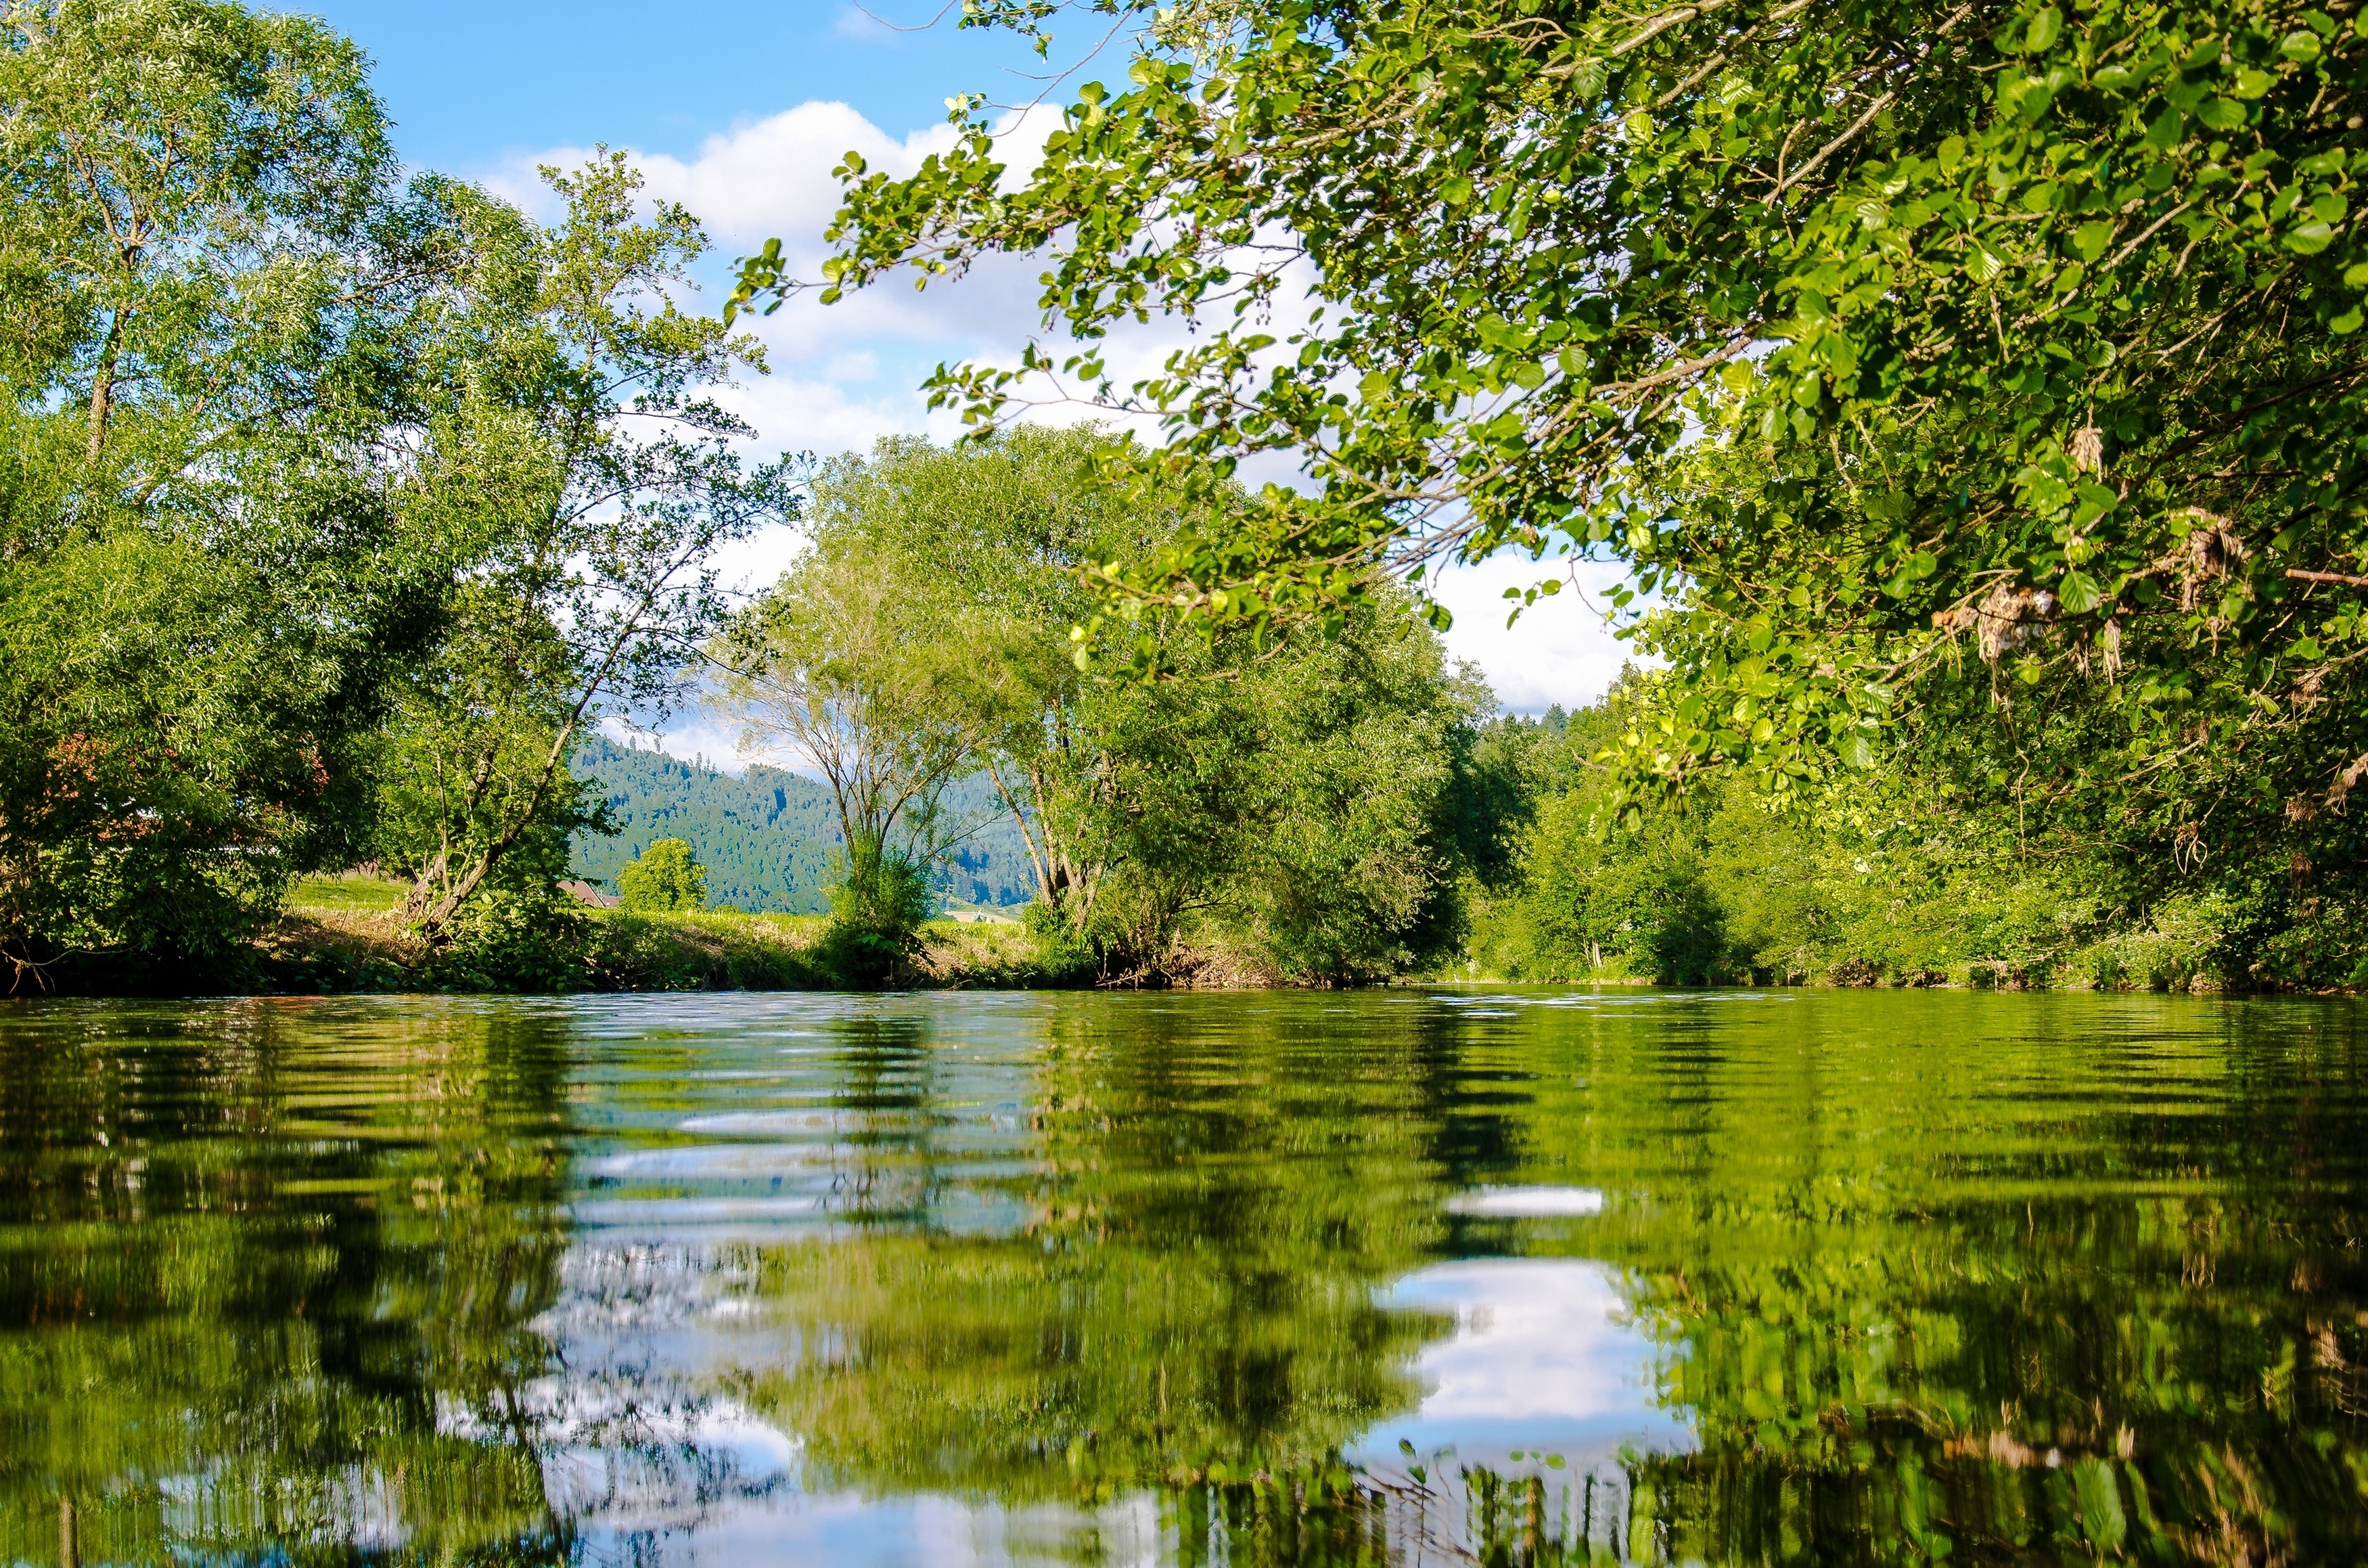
(472, 83)
(740, 111)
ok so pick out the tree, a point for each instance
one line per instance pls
(580, 479)
(995, 537)
(875, 688)
(663, 880)
(1314, 808)
(1309, 803)
(2012, 325)
(214, 305)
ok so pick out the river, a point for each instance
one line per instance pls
(1406, 1275)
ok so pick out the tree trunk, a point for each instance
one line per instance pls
(102, 382)
(457, 893)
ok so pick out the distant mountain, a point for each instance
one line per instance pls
(766, 837)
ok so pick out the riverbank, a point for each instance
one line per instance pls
(346, 934)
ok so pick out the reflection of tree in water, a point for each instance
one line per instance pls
(316, 1285)
(886, 1120)
(1985, 1298)
(258, 1257)
(1208, 1202)
(1913, 1302)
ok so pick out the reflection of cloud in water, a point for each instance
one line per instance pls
(651, 1457)
(1541, 1357)
(695, 1161)
(1528, 1202)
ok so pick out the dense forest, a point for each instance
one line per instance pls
(1984, 458)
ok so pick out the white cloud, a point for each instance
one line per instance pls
(1560, 650)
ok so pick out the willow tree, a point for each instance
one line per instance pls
(994, 536)
(2035, 328)
(879, 691)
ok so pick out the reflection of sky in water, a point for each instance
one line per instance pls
(1541, 1359)
(652, 1467)
(1528, 1202)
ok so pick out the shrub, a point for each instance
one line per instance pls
(876, 914)
(1066, 954)
(511, 939)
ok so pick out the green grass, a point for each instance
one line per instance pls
(348, 895)
(341, 934)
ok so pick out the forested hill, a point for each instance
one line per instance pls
(766, 837)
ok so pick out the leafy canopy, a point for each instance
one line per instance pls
(2031, 322)
(211, 306)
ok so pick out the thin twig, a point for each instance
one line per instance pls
(1876, 107)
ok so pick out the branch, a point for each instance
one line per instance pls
(1876, 107)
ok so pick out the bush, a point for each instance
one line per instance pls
(876, 914)
(709, 952)
(137, 918)
(507, 939)
(1066, 954)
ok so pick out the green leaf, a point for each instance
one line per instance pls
(2221, 114)
(2077, 592)
(2311, 238)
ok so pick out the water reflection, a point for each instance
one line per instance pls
(1525, 1278)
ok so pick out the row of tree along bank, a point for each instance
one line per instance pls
(337, 510)
(1925, 869)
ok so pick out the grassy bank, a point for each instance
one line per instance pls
(346, 934)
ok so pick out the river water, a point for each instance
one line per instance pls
(1414, 1276)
